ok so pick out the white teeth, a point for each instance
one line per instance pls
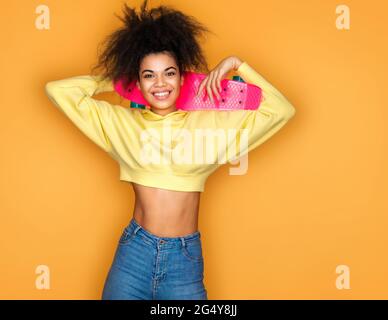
(161, 94)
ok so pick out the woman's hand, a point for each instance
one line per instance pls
(213, 79)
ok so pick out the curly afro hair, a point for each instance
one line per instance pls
(161, 29)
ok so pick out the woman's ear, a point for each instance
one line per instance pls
(137, 84)
(182, 80)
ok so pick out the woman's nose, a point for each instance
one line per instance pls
(160, 82)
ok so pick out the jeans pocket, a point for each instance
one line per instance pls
(193, 250)
(126, 236)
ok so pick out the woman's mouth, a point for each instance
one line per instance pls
(161, 95)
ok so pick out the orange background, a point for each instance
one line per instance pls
(315, 195)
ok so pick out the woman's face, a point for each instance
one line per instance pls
(159, 73)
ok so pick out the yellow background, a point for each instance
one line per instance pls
(62, 204)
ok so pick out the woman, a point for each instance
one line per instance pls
(159, 253)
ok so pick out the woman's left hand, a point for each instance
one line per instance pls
(213, 79)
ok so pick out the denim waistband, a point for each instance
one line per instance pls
(156, 240)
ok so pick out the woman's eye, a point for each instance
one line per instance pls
(169, 73)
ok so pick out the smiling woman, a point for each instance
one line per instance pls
(160, 86)
(159, 254)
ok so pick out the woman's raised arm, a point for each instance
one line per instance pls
(73, 96)
(273, 113)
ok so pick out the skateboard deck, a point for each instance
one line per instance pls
(235, 95)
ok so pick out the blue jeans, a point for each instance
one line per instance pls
(148, 267)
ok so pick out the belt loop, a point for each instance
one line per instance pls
(183, 241)
(137, 229)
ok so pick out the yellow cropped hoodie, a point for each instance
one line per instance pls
(177, 151)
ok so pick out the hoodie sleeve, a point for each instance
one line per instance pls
(73, 96)
(260, 124)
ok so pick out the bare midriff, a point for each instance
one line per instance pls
(166, 213)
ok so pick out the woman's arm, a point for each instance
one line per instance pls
(73, 96)
(273, 113)
(273, 101)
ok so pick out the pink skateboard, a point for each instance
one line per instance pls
(235, 95)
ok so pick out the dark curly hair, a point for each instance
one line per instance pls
(161, 29)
